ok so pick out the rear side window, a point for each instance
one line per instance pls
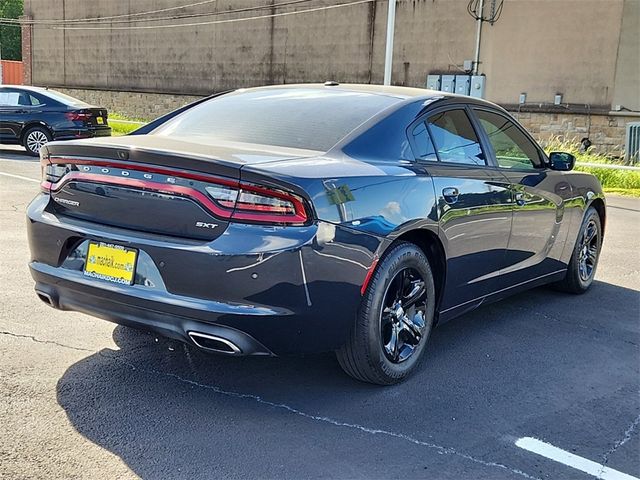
(425, 150)
(512, 147)
(454, 138)
(306, 118)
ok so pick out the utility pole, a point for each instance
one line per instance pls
(388, 57)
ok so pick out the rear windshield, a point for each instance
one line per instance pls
(307, 118)
(62, 98)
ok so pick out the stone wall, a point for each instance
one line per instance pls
(135, 105)
(606, 132)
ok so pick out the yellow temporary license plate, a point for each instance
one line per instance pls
(114, 263)
(100, 120)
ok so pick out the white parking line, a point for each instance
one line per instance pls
(20, 177)
(574, 461)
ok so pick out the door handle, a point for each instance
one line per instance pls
(520, 199)
(450, 194)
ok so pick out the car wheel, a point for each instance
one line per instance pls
(34, 139)
(584, 259)
(394, 320)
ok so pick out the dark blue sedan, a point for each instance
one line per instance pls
(310, 218)
(33, 116)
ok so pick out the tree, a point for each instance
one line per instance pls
(11, 35)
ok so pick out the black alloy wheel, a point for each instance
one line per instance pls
(402, 321)
(588, 251)
(394, 320)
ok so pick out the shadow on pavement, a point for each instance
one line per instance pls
(512, 368)
(14, 152)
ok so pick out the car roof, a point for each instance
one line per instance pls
(402, 94)
(25, 87)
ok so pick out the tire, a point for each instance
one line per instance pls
(584, 259)
(34, 139)
(370, 353)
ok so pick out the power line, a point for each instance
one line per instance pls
(124, 15)
(216, 22)
(156, 19)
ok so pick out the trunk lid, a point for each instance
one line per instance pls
(150, 184)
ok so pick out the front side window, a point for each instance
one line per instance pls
(511, 146)
(454, 138)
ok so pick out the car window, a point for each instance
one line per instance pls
(9, 99)
(307, 118)
(454, 138)
(34, 101)
(425, 149)
(511, 146)
(63, 98)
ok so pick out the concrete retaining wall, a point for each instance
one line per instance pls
(580, 48)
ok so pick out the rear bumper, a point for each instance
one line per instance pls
(83, 132)
(268, 290)
(138, 311)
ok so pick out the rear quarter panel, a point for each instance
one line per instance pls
(586, 192)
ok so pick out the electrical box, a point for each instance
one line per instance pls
(477, 86)
(463, 83)
(433, 82)
(448, 83)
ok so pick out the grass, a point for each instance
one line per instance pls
(120, 124)
(622, 182)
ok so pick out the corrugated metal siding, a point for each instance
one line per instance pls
(11, 72)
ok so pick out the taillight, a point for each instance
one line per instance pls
(78, 116)
(259, 204)
(52, 173)
(225, 198)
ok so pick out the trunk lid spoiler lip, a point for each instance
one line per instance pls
(175, 163)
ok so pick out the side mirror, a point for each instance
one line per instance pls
(562, 161)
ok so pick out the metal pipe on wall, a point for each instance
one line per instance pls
(478, 34)
(388, 57)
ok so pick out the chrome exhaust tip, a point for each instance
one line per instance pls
(214, 343)
(46, 298)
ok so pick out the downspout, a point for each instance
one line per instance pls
(478, 35)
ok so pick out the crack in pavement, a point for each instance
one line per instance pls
(627, 436)
(375, 431)
(14, 208)
(50, 342)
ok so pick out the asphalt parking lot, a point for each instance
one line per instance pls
(83, 398)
